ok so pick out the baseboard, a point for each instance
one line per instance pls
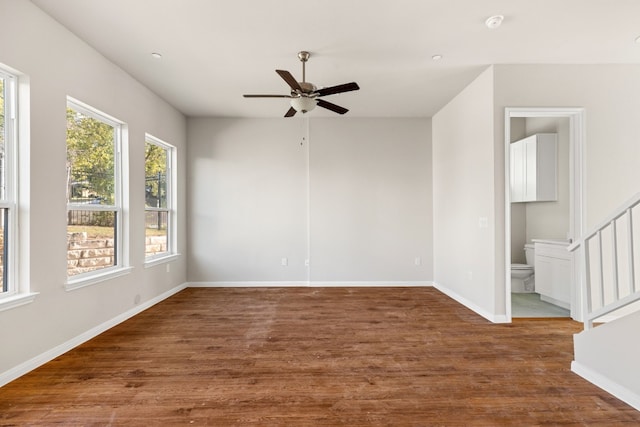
(607, 318)
(494, 318)
(261, 284)
(246, 284)
(554, 301)
(47, 356)
(365, 284)
(629, 397)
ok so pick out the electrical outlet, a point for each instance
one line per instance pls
(470, 275)
(168, 268)
(417, 261)
(306, 262)
(284, 262)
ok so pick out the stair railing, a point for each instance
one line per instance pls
(605, 287)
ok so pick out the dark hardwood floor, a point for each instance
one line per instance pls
(315, 357)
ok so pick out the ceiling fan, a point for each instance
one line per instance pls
(304, 95)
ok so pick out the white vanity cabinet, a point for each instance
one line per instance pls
(553, 272)
(534, 168)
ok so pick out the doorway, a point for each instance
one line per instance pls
(573, 120)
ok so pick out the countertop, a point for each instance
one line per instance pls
(560, 242)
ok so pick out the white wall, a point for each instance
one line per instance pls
(371, 211)
(464, 194)
(247, 200)
(367, 182)
(58, 64)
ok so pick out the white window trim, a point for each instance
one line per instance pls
(160, 259)
(94, 277)
(122, 266)
(172, 252)
(16, 300)
(17, 294)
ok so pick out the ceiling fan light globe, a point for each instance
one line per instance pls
(303, 104)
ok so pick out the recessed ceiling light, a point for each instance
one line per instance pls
(494, 21)
(156, 55)
(436, 57)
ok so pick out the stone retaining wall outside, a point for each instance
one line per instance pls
(85, 254)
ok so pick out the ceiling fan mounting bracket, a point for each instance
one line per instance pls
(304, 56)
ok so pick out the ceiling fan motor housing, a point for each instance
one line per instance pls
(307, 87)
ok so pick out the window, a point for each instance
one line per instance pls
(8, 104)
(159, 201)
(94, 195)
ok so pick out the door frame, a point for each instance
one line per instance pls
(577, 168)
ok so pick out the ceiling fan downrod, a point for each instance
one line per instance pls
(304, 57)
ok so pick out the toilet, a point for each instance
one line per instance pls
(522, 275)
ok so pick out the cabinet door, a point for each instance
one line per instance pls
(534, 168)
(553, 278)
(544, 275)
(561, 280)
(547, 168)
(517, 171)
(531, 169)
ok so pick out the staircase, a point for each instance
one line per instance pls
(608, 354)
(610, 254)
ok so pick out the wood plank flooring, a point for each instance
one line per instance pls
(315, 357)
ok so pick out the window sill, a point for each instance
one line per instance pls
(93, 279)
(17, 300)
(160, 260)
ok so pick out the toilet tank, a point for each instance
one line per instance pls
(529, 253)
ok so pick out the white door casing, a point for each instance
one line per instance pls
(577, 144)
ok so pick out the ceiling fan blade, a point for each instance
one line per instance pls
(291, 112)
(291, 81)
(347, 87)
(267, 96)
(333, 107)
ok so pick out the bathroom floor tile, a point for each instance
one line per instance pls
(530, 305)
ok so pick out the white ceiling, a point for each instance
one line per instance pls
(216, 50)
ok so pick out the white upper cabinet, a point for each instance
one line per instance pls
(534, 169)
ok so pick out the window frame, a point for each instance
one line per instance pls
(121, 262)
(9, 286)
(13, 293)
(171, 253)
